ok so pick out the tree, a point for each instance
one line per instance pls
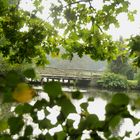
(121, 65)
(83, 25)
(134, 44)
(41, 38)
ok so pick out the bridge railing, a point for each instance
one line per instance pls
(68, 72)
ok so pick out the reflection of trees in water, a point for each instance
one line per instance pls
(106, 95)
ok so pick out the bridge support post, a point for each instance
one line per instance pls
(69, 81)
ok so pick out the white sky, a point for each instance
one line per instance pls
(126, 29)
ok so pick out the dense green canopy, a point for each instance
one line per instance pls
(76, 26)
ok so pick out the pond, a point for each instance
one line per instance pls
(98, 107)
(101, 97)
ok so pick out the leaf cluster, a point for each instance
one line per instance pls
(18, 45)
(19, 125)
(134, 44)
(24, 37)
(113, 81)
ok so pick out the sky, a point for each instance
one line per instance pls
(126, 29)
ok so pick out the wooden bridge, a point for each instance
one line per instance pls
(68, 76)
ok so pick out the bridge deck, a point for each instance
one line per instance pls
(68, 73)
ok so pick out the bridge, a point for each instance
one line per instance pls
(68, 77)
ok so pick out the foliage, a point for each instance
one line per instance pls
(113, 81)
(19, 68)
(25, 116)
(132, 84)
(83, 28)
(122, 65)
(19, 46)
(134, 44)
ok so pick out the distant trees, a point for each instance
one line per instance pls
(122, 64)
(135, 49)
(83, 27)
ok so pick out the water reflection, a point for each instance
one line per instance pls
(97, 107)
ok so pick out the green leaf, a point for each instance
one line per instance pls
(40, 104)
(3, 125)
(135, 120)
(22, 109)
(28, 130)
(5, 137)
(70, 15)
(107, 133)
(46, 137)
(115, 121)
(111, 109)
(34, 116)
(137, 103)
(30, 73)
(137, 138)
(91, 99)
(92, 122)
(60, 135)
(15, 124)
(120, 99)
(84, 106)
(130, 16)
(60, 118)
(128, 133)
(70, 122)
(45, 124)
(36, 3)
(12, 79)
(81, 125)
(77, 95)
(53, 89)
(7, 96)
(66, 106)
(49, 137)
(114, 138)
(23, 138)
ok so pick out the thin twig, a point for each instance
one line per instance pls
(69, 4)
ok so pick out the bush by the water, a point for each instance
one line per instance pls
(133, 84)
(113, 81)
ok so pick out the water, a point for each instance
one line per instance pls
(101, 97)
(98, 107)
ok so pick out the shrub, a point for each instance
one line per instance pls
(112, 81)
(132, 84)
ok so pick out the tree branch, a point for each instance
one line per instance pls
(69, 4)
(94, 10)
